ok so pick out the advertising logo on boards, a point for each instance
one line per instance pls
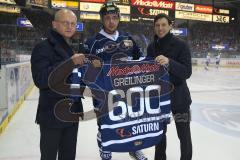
(193, 16)
(221, 11)
(184, 6)
(41, 3)
(203, 9)
(220, 19)
(97, 1)
(151, 11)
(139, 13)
(154, 3)
(8, 1)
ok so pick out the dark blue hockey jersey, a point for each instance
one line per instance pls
(134, 104)
(105, 48)
(132, 97)
(109, 50)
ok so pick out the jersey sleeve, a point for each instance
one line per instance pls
(136, 53)
(89, 46)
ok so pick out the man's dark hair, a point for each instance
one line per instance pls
(162, 15)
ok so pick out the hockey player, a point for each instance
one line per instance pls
(106, 43)
(218, 58)
(207, 61)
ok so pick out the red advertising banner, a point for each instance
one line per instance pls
(203, 9)
(154, 3)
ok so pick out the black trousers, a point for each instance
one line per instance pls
(58, 142)
(182, 120)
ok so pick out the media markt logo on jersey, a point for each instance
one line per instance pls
(134, 69)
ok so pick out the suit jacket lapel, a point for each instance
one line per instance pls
(58, 48)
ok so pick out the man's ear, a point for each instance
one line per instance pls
(54, 25)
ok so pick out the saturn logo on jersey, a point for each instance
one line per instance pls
(145, 128)
(122, 133)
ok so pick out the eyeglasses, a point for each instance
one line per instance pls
(66, 23)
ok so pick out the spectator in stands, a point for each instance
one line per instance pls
(174, 54)
(203, 34)
(57, 138)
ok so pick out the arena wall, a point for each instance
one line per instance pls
(225, 62)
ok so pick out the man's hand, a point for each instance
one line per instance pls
(96, 63)
(78, 59)
(162, 60)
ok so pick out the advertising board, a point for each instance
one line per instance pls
(193, 16)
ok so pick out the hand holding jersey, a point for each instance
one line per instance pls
(78, 59)
(162, 60)
(97, 63)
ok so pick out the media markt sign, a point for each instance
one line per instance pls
(154, 3)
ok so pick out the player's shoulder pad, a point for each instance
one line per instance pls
(122, 33)
(89, 42)
(127, 35)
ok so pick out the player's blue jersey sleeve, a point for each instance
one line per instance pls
(136, 53)
(88, 45)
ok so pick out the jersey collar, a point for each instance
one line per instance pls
(113, 37)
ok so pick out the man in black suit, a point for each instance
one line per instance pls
(58, 138)
(174, 54)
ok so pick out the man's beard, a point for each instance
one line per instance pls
(110, 31)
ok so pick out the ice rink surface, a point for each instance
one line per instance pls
(215, 123)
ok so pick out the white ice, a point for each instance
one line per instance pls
(215, 123)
